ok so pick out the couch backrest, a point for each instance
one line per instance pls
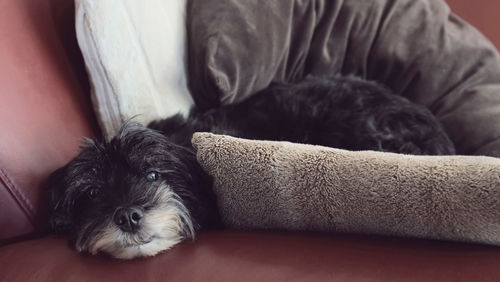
(483, 14)
(44, 109)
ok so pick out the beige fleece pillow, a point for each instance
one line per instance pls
(282, 185)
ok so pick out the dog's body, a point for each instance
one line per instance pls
(143, 191)
(340, 112)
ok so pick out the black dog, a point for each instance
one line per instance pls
(143, 191)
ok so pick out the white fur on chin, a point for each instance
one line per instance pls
(161, 229)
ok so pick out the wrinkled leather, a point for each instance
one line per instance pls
(43, 111)
(232, 256)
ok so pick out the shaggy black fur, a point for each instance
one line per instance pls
(108, 175)
(340, 112)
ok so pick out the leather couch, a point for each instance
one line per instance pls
(45, 109)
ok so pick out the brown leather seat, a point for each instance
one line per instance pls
(45, 109)
(230, 256)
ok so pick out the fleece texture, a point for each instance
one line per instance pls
(282, 185)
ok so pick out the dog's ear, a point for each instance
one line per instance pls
(60, 221)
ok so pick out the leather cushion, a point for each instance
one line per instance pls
(231, 256)
(43, 111)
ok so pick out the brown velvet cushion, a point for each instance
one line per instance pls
(416, 47)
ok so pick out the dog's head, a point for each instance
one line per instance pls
(133, 196)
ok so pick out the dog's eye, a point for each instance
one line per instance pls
(93, 192)
(152, 176)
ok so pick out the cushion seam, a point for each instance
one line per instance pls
(21, 199)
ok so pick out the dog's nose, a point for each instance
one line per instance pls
(128, 219)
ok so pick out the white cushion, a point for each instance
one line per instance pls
(135, 52)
